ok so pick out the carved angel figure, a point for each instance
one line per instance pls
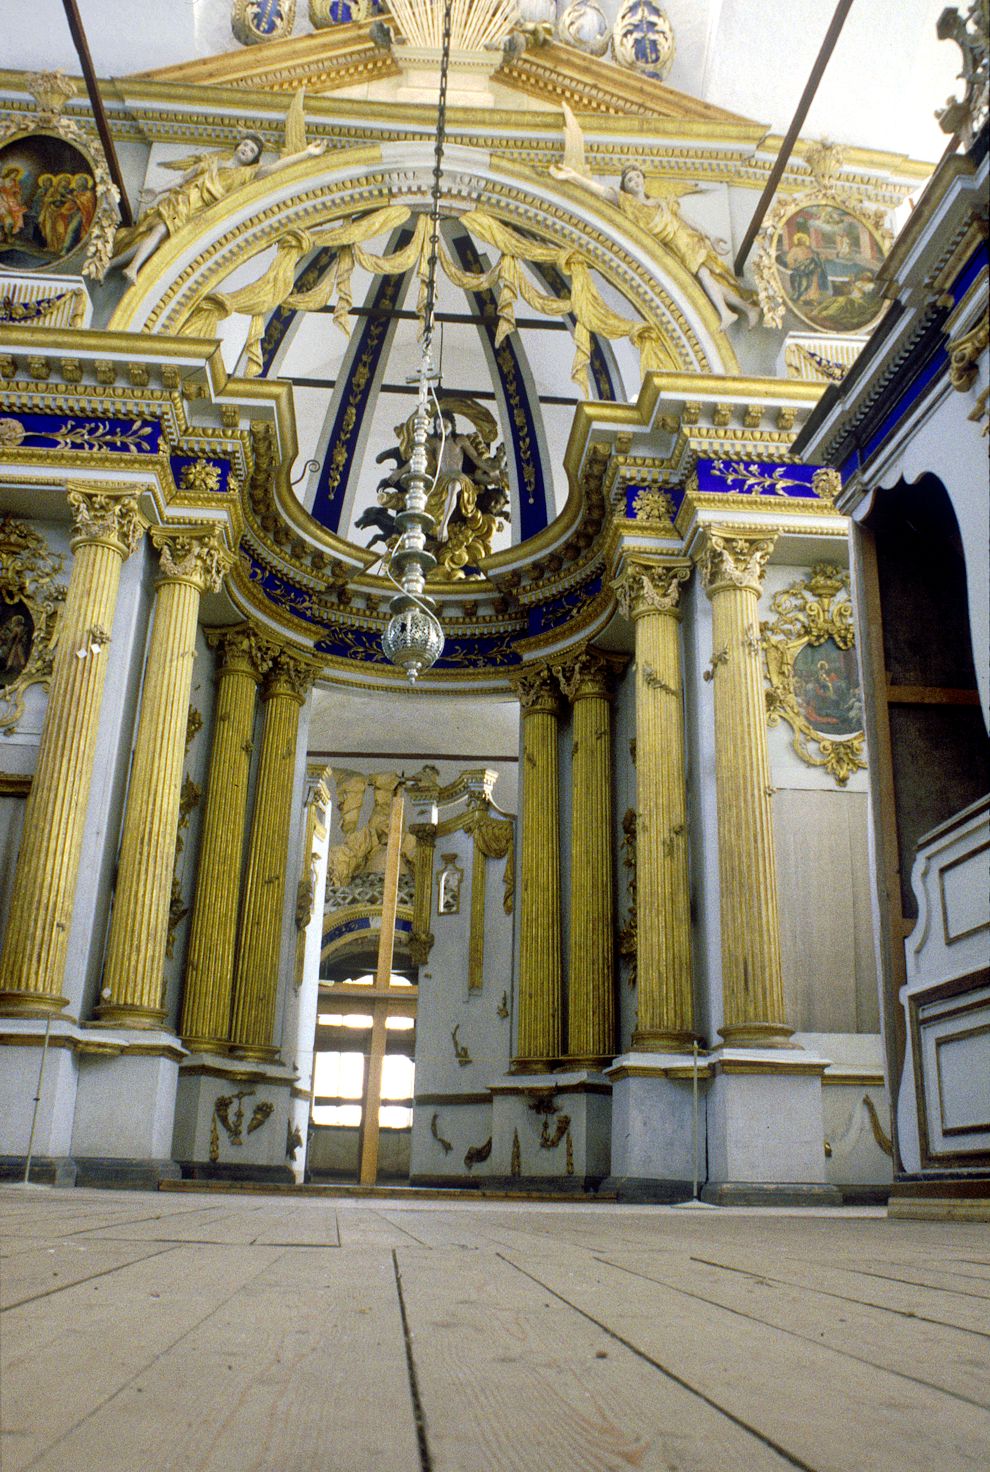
(662, 219)
(206, 179)
(469, 500)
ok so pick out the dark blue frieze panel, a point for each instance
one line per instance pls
(207, 482)
(69, 432)
(756, 478)
(560, 610)
(674, 494)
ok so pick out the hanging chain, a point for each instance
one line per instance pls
(431, 276)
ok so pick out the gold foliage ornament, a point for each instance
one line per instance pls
(30, 604)
(809, 650)
(253, 21)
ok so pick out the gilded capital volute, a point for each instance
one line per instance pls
(537, 692)
(186, 556)
(732, 560)
(589, 674)
(241, 650)
(108, 517)
(289, 676)
(653, 587)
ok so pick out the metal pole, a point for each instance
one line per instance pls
(694, 1119)
(791, 136)
(96, 103)
(37, 1100)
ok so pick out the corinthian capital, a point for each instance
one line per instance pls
(289, 675)
(105, 516)
(241, 650)
(589, 673)
(653, 587)
(536, 690)
(733, 560)
(193, 557)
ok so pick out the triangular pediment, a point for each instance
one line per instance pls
(342, 58)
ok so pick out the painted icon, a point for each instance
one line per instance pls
(47, 201)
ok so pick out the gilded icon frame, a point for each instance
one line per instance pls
(95, 247)
(813, 679)
(28, 573)
(802, 241)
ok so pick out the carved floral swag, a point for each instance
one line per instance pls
(506, 277)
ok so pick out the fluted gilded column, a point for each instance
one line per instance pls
(538, 1044)
(259, 944)
(586, 680)
(106, 529)
(732, 568)
(190, 562)
(242, 659)
(649, 594)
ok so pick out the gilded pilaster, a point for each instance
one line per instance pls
(242, 659)
(256, 977)
(421, 942)
(649, 594)
(538, 1044)
(190, 562)
(586, 680)
(732, 567)
(106, 530)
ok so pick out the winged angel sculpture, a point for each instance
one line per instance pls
(206, 179)
(661, 219)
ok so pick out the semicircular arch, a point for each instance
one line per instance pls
(324, 192)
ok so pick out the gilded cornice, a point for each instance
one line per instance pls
(211, 115)
(324, 60)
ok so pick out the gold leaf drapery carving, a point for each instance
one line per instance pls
(506, 276)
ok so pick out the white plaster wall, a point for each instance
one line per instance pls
(823, 885)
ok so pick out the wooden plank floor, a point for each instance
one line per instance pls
(146, 1332)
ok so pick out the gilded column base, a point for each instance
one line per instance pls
(533, 1065)
(586, 1062)
(757, 1035)
(30, 1004)
(126, 1014)
(255, 1052)
(206, 1045)
(661, 1040)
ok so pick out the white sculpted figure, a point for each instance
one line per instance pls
(206, 179)
(662, 219)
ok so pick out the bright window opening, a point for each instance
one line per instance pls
(397, 1078)
(337, 1114)
(339, 1075)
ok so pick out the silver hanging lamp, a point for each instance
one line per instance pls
(413, 639)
